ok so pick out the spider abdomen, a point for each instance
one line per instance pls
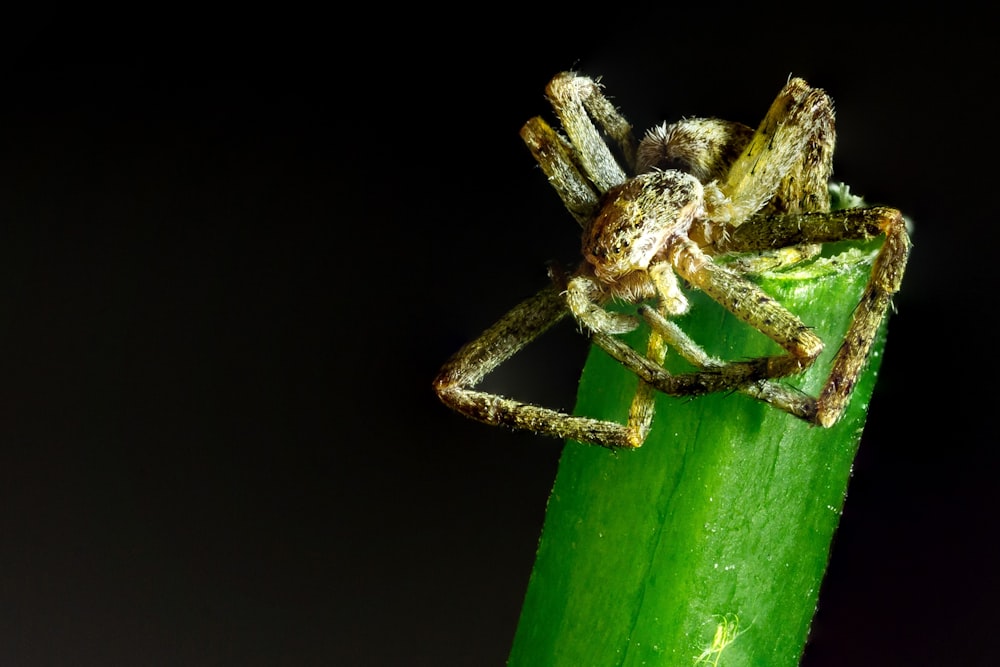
(703, 147)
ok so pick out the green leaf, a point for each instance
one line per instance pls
(708, 545)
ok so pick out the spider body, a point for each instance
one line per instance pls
(687, 193)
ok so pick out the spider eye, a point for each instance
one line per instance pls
(620, 246)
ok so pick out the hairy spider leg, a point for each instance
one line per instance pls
(580, 177)
(786, 165)
(780, 396)
(455, 383)
(876, 300)
(579, 103)
(750, 304)
(747, 302)
(555, 156)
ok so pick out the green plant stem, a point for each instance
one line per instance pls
(707, 545)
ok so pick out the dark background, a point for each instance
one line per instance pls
(234, 251)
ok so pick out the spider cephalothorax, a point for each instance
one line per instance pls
(689, 192)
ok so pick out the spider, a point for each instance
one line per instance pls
(662, 210)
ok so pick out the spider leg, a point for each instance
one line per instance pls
(643, 407)
(584, 296)
(752, 305)
(714, 375)
(886, 277)
(582, 167)
(456, 381)
(749, 303)
(578, 102)
(711, 379)
(774, 394)
(554, 155)
(666, 334)
(788, 161)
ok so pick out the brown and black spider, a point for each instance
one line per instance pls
(689, 192)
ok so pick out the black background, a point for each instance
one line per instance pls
(234, 251)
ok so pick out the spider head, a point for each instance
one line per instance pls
(637, 220)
